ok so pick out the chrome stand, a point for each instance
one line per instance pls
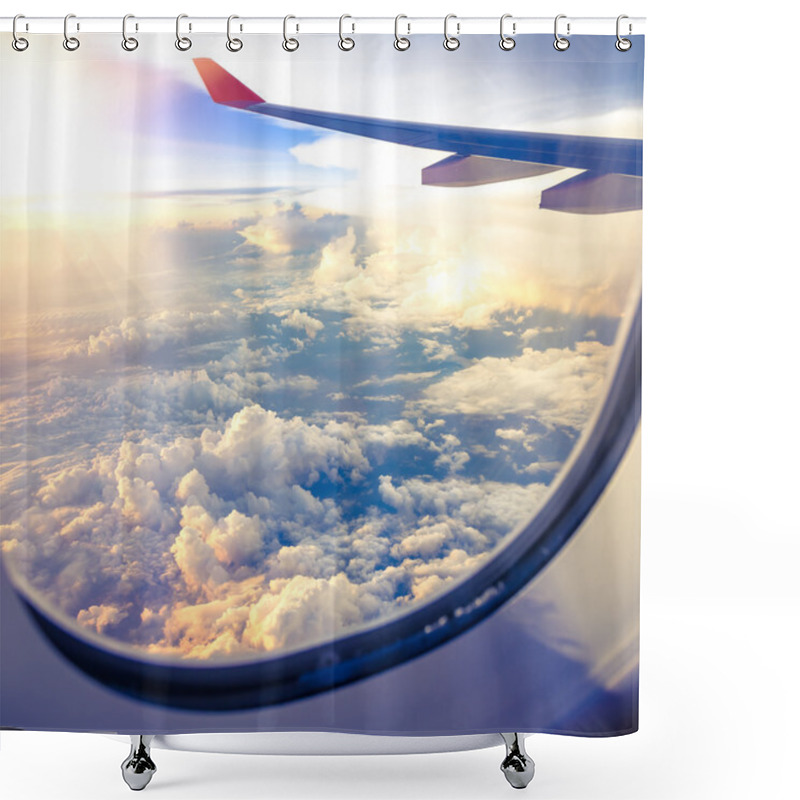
(517, 766)
(138, 768)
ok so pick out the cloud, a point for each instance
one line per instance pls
(384, 398)
(203, 630)
(492, 507)
(141, 502)
(449, 458)
(180, 482)
(242, 358)
(193, 490)
(404, 377)
(71, 486)
(453, 462)
(399, 433)
(216, 546)
(217, 526)
(445, 264)
(288, 230)
(136, 337)
(308, 610)
(396, 496)
(99, 618)
(236, 539)
(532, 333)
(437, 351)
(426, 542)
(514, 438)
(261, 452)
(197, 561)
(303, 321)
(557, 387)
(307, 558)
(337, 262)
(187, 393)
(511, 434)
(432, 576)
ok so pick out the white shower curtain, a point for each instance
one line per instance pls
(320, 383)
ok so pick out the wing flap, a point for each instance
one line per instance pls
(594, 193)
(458, 170)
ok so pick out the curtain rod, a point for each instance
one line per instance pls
(327, 25)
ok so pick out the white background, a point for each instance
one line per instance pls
(720, 600)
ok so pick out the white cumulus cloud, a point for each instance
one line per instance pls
(301, 320)
(557, 387)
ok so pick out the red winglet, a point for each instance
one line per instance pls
(223, 87)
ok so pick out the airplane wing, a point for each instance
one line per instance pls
(611, 181)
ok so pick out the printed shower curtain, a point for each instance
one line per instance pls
(320, 385)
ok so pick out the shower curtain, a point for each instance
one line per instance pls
(320, 383)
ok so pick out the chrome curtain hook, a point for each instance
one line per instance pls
(623, 45)
(451, 42)
(18, 42)
(507, 42)
(233, 44)
(182, 42)
(129, 43)
(70, 42)
(345, 42)
(289, 44)
(560, 43)
(401, 42)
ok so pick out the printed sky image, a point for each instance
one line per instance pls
(259, 385)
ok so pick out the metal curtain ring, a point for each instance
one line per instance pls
(182, 42)
(401, 42)
(507, 42)
(129, 43)
(289, 44)
(70, 42)
(17, 42)
(345, 42)
(623, 45)
(451, 42)
(560, 43)
(233, 44)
